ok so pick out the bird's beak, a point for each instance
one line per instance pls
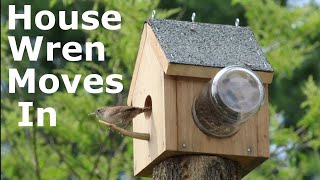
(90, 114)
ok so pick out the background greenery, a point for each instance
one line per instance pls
(79, 148)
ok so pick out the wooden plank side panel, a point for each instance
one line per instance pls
(169, 88)
(137, 64)
(235, 147)
(170, 106)
(263, 127)
(192, 139)
(149, 81)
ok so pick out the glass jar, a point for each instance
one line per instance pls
(233, 96)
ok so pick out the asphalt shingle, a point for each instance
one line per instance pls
(211, 45)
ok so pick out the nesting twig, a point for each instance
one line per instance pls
(136, 135)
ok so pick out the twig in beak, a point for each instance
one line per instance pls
(90, 114)
(136, 135)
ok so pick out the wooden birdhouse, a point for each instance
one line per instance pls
(175, 63)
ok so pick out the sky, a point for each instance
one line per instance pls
(301, 2)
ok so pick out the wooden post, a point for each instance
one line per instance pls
(197, 167)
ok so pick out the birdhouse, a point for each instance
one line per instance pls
(208, 88)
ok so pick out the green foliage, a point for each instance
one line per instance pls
(311, 118)
(218, 11)
(5, 57)
(78, 147)
(282, 32)
(290, 38)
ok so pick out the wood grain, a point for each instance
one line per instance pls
(137, 64)
(172, 130)
(263, 127)
(192, 139)
(150, 82)
(207, 72)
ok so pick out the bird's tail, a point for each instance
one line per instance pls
(146, 109)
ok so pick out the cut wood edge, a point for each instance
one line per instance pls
(137, 64)
(207, 72)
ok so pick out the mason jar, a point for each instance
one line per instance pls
(233, 96)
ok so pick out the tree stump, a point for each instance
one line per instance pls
(197, 167)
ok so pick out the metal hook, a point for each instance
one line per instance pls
(193, 17)
(153, 14)
(236, 23)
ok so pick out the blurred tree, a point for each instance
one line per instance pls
(289, 35)
(218, 11)
(78, 147)
(290, 38)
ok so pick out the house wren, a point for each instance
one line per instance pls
(119, 115)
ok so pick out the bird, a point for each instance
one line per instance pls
(119, 115)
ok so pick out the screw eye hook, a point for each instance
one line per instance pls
(236, 23)
(193, 17)
(153, 15)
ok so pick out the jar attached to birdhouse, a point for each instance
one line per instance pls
(233, 96)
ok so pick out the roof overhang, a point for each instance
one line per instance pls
(149, 37)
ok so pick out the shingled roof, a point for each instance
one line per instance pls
(210, 45)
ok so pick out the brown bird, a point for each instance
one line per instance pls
(119, 115)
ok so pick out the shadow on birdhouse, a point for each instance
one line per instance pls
(208, 88)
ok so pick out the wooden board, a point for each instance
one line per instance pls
(137, 65)
(207, 72)
(191, 138)
(177, 69)
(147, 39)
(170, 106)
(263, 126)
(249, 146)
(150, 81)
(171, 126)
